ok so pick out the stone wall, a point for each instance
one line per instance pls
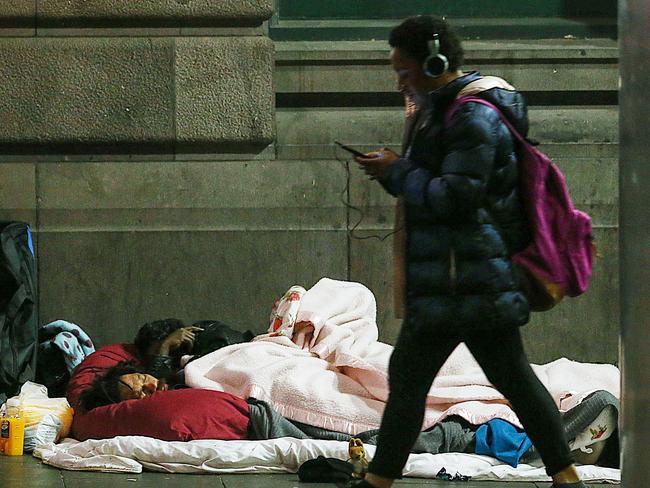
(174, 162)
(128, 137)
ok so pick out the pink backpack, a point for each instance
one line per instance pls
(558, 260)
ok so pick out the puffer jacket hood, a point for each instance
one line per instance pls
(491, 88)
(500, 93)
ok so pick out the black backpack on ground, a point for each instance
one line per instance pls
(18, 308)
(215, 335)
(325, 470)
(51, 370)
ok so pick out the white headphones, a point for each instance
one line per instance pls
(436, 63)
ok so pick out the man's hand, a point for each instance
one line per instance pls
(184, 335)
(162, 385)
(376, 164)
(303, 333)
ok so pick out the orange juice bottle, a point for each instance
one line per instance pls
(12, 430)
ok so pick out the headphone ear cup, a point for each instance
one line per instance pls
(436, 65)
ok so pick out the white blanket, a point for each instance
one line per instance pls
(341, 383)
(133, 454)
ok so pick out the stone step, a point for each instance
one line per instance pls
(310, 133)
(558, 71)
(468, 28)
(294, 52)
(557, 65)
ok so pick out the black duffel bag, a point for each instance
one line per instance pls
(18, 308)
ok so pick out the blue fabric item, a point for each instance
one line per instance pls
(502, 440)
(70, 339)
(30, 243)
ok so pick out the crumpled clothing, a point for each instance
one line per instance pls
(284, 313)
(73, 342)
(502, 440)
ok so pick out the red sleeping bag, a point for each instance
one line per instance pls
(177, 415)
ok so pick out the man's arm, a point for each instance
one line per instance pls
(160, 363)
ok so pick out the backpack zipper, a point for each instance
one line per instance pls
(14, 353)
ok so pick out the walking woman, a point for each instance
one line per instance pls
(457, 183)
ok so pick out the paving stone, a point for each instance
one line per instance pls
(268, 481)
(28, 472)
(85, 479)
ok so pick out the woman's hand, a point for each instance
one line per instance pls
(376, 164)
(184, 335)
(303, 333)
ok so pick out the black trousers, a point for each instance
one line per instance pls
(418, 356)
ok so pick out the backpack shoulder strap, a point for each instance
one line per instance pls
(467, 99)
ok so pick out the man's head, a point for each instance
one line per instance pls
(125, 381)
(410, 48)
(153, 333)
(137, 385)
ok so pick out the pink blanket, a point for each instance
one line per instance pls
(340, 382)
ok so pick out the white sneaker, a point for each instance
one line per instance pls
(599, 430)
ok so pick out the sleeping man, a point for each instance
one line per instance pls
(161, 344)
(321, 373)
(221, 415)
(227, 417)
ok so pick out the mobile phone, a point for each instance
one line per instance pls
(351, 150)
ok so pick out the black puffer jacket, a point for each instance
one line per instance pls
(464, 217)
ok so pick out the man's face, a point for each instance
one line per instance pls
(410, 75)
(137, 385)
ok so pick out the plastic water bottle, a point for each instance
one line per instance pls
(12, 429)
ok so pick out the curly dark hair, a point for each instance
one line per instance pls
(413, 35)
(104, 389)
(152, 332)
